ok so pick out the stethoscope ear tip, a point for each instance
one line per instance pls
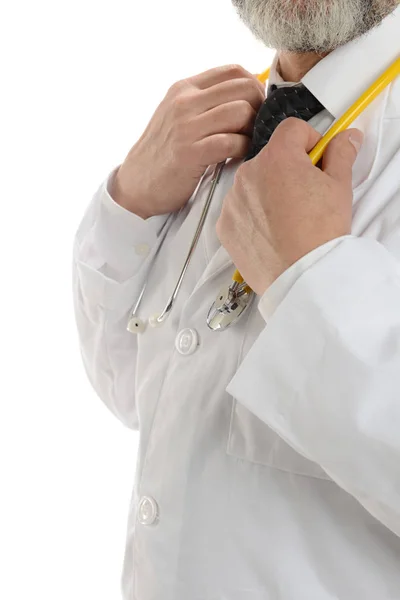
(136, 325)
(154, 321)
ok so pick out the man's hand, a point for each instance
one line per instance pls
(281, 207)
(202, 120)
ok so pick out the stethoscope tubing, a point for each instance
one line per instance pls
(214, 182)
(345, 121)
(157, 320)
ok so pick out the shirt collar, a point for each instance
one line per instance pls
(342, 76)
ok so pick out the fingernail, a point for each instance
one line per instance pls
(356, 138)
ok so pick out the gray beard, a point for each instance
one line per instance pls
(311, 25)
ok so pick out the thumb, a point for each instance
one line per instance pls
(341, 154)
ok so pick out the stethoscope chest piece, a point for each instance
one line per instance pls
(229, 306)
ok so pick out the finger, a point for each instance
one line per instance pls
(234, 117)
(229, 91)
(221, 74)
(221, 146)
(262, 84)
(294, 136)
(340, 155)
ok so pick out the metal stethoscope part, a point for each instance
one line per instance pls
(230, 303)
(229, 306)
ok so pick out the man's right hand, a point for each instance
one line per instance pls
(202, 120)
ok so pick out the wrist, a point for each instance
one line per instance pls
(135, 203)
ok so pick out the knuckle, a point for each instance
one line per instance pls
(179, 88)
(295, 122)
(288, 131)
(226, 143)
(245, 109)
(292, 124)
(255, 86)
(181, 101)
(235, 70)
(248, 87)
(176, 87)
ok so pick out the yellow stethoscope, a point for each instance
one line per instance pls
(233, 301)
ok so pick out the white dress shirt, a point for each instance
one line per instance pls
(269, 459)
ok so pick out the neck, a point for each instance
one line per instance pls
(293, 66)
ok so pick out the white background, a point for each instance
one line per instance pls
(79, 81)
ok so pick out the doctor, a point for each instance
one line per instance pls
(269, 461)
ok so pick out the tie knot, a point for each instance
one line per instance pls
(282, 102)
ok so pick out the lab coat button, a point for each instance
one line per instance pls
(148, 511)
(187, 341)
(142, 249)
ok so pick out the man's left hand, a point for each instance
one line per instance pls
(281, 207)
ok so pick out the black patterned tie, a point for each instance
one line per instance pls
(281, 103)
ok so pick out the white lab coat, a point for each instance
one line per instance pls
(269, 461)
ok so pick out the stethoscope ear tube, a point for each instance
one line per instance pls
(233, 301)
(157, 320)
(137, 325)
(356, 109)
(349, 116)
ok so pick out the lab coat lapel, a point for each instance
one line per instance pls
(220, 261)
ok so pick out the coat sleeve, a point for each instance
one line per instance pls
(325, 372)
(112, 252)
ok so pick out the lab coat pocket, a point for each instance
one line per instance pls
(252, 440)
